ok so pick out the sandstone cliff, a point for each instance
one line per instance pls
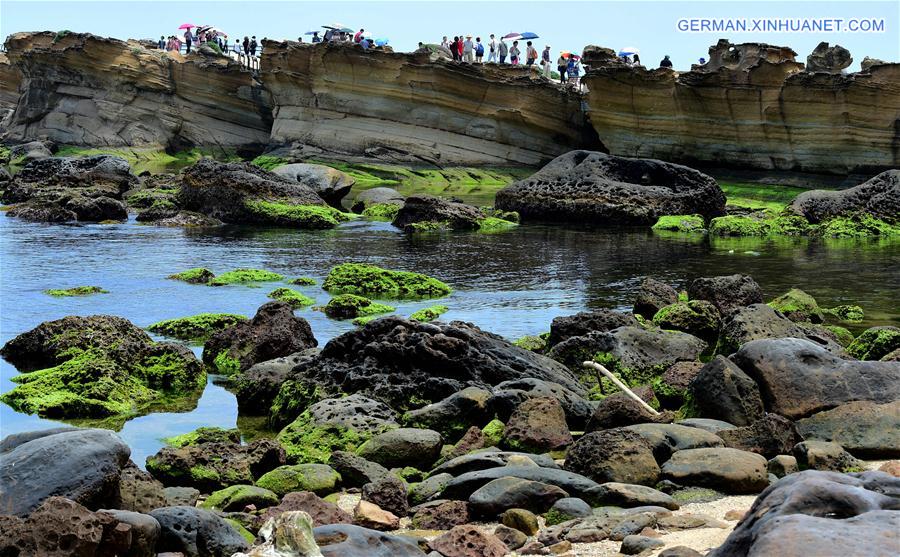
(751, 106)
(86, 90)
(339, 98)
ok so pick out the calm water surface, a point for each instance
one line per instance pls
(513, 283)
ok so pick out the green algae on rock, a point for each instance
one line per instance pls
(533, 343)
(370, 280)
(97, 367)
(381, 211)
(292, 297)
(321, 479)
(844, 336)
(697, 317)
(857, 226)
(851, 313)
(243, 276)
(428, 314)
(314, 217)
(305, 441)
(797, 305)
(680, 223)
(268, 162)
(350, 306)
(76, 291)
(204, 435)
(875, 343)
(493, 432)
(303, 281)
(236, 497)
(197, 275)
(197, 328)
(495, 224)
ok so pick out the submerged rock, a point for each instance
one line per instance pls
(370, 280)
(609, 190)
(426, 211)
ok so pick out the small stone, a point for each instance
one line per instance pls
(370, 515)
(735, 514)
(523, 520)
(440, 515)
(468, 541)
(679, 551)
(632, 545)
(891, 467)
(782, 465)
(513, 539)
(572, 506)
(560, 547)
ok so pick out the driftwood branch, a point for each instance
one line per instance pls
(619, 384)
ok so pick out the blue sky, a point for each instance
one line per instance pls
(647, 25)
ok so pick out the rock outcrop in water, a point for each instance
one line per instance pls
(752, 105)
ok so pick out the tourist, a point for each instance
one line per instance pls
(492, 50)
(479, 51)
(176, 46)
(329, 35)
(503, 50)
(702, 61)
(572, 71)
(246, 48)
(316, 38)
(253, 45)
(188, 39)
(530, 54)
(224, 44)
(460, 45)
(162, 42)
(514, 54)
(637, 60)
(358, 36)
(454, 49)
(468, 50)
(545, 61)
(445, 43)
(561, 64)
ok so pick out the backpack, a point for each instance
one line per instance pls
(479, 50)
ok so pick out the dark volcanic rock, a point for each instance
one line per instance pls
(537, 425)
(653, 296)
(488, 458)
(723, 391)
(667, 439)
(824, 455)
(468, 540)
(196, 533)
(388, 492)
(587, 186)
(320, 510)
(330, 184)
(769, 436)
(403, 447)
(574, 484)
(398, 361)
(866, 429)
(726, 292)
(510, 394)
(347, 540)
(879, 197)
(831, 59)
(429, 209)
(820, 513)
(139, 491)
(629, 495)
(618, 410)
(83, 465)
(613, 455)
(356, 471)
(798, 378)
(454, 415)
(506, 493)
(722, 469)
(256, 388)
(440, 515)
(580, 324)
(760, 321)
(272, 333)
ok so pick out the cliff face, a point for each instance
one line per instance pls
(85, 90)
(751, 106)
(339, 98)
(10, 79)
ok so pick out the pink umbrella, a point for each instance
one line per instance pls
(187, 25)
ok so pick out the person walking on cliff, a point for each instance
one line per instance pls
(445, 43)
(468, 50)
(545, 61)
(253, 46)
(514, 54)
(665, 62)
(561, 64)
(454, 49)
(358, 36)
(492, 50)
(503, 50)
(162, 42)
(460, 45)
(479, 51)
(530, 54)
(188, 39)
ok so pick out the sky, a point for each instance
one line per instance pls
(650, 26)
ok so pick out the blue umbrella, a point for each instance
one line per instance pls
(628, 51)
(528, 36)
(310, 33)
(381, 42)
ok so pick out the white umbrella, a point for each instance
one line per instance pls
(335, 26)
(628, 50)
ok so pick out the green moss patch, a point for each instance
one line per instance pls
(318, 478)
(313, 217)
(204, 435)
(153, 160)
(351, 306)
(293, 398)
(370, 280)
(493, 432)
(797, 305)
(269, 162)
(875, 343)
(244, 276)
(495, 224)
(844, 336)
(292, 297)
(196, 328)
(303, 281)
(305, 441)
(381, 211)
(853, 314)
(429, 313)
(197, 275)
(857, 227)
(236, 497)
(534, 343)
(224, 364)
(76, 291)
(680, 223)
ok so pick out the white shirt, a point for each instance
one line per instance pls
(468, 46)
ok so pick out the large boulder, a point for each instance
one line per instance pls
(347, 540)
(389, 492)
(243, 193)
(723, 469)
(820, 513)
(403, 447)
(798, 378)
(770, 436)
(580, 324)
(83, 465)
(878, 197)
(696, 317)
(330, 184)
(509, 492)
(603, 189)
(408, 364)
(726, 292)
(427, 210)
(537, 425)
(273, 332)
(488, 458)
(824, 455)
(829, 59)
(722, 391)
(667, 439)
(510, 394)
(576, 485)
(64, 361)
(866, 429)
(377, 196)
(196, 533)
(613, 455)
(454, 415)
(652, 297)
(759, 321)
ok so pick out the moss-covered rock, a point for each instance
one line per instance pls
(844, 336)
(797, 305)
(303, 281)
(204, 435)
(236, 497)
(196, 328)
(197, 275)
(875, 343)
(321, 479)
(495, 224)
(534, 343)
(97, 367)
(370, 280)
(244, 276)
(858, 226)
(76, 291)
(762, 223)
(381, 211)
(305, 441)
(680, 223)
(697, 317)
(351, 306)
(851, 313)
(428, 314)
(493, 432)
(268, 162)
(292, 297)
(314, 217)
